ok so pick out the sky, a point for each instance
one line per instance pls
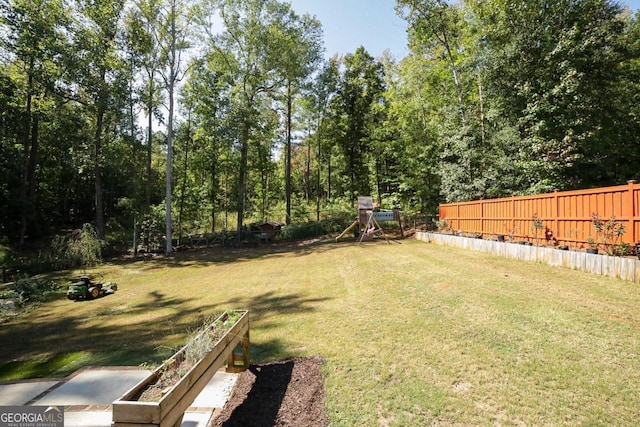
(374, 24)
(349, 24)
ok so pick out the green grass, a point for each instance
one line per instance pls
(412, 333)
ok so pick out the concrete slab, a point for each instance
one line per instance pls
(103, 419)
(87, 419)
(216, 392)
(94, 386)
(22, 392)
(88, 394)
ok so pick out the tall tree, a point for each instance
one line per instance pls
(250, 59)
(318, 98)
(360, 88)
(174, 40)
(96, 70)
(298, 41)
(144, 32)
(34, 36)
(555, 70)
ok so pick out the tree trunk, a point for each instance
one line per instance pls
(288, 157)
(169, 177)
(318, 196)
(307, 184)
(26, 201)
(329, 176)
(213, 195)
(169, 171)
(149, 145)
(97, 171)
(378, 182)
(183, 186)
(242, 179)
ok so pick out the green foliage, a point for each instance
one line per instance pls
(608, 234)
(30, 290)
(360, 88)
(537, 225)
(151, 228)
(494, 98)
(80, 248)
(444, 226)
(311, 229)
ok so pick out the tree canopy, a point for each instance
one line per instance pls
(209, 115)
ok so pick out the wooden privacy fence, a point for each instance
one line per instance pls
(565, 216)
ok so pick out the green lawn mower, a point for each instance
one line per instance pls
(86, 289)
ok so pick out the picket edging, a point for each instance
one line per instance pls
(604, 265)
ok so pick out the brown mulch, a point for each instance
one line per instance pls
(283, 393)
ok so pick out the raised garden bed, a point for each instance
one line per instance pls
(162, 398)
(605, 265)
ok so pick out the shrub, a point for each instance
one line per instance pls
(80, 248)
(30, 290)
(311, 229)
(608, 233)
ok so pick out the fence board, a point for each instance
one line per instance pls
(567, 215)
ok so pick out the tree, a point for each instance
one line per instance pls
(173, 40)
(360, 88)
(555, 71)
(317, 101)
(143, 31)
(96, 71)
(298, 41)
(249, 53)
(446, 43)
(214, 160)
(34, 31)
(413, 116)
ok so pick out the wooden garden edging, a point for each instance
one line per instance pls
(604, 265)
(169, 410)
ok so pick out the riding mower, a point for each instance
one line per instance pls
(86, 289)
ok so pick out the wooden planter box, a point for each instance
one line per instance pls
(169, 410)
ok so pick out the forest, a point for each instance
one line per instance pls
(186, 117)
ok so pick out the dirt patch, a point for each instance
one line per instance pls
(283, 393)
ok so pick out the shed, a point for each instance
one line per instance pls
(269, 230)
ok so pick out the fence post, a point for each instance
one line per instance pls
(513, 215)
(482, 216)
(556, 212)
(629, 211)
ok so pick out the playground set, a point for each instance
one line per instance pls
(367, 224)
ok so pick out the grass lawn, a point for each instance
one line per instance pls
(412, 333)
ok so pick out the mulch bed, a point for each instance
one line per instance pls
(283, 393)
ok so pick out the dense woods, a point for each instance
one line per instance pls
(195, 116)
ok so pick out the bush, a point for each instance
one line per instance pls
(294, 232)
(30, 290)
(80, 248)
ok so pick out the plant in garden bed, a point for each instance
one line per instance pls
(201, 342)
(536, 226)
(608, 234)
(511, 231)
(444, 226)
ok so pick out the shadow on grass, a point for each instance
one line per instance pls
(204, 257)
(51, 339)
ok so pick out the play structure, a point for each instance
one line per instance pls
(367, 225)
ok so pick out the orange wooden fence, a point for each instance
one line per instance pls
(566, 215)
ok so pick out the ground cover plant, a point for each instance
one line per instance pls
(410, 333)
